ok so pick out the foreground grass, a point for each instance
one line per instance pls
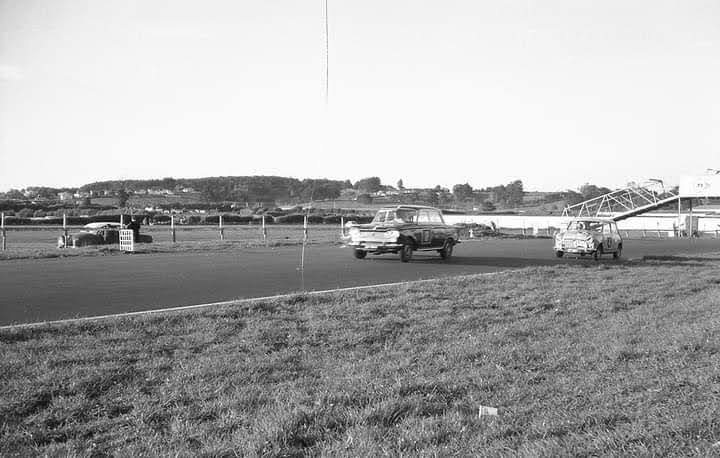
(581, 359)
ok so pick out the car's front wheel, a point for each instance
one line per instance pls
(447, 250)
(598, 253)
(406, 252)
(359, 254)
(559, 253)
(618, 252)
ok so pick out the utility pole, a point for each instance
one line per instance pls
(325, 64)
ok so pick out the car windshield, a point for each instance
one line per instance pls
(394, 216)
(584, 226)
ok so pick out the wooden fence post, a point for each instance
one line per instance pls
(222, 231)
(305, 237)
(2, 229)
(172, 227)
(342, 227)
(264, 231)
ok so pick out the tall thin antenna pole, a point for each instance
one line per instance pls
(325, 71)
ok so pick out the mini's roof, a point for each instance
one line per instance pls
(409, 207)
(594, 219)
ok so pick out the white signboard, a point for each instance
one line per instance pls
(700, 186)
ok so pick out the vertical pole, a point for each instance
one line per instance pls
(690, 230)
(342, 227)
(264, 231)
(122, 223)
(65, 235)
(302, 255)
(222, 231)
(325, 67)
(2, 229)
(679, 232)
(172, 227)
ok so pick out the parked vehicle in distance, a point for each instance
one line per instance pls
(404, 229)
(595, 236)
(97, 234)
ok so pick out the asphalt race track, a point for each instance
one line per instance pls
(52, 289)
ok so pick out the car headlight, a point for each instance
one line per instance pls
(354, 232)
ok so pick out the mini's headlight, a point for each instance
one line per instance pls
(354, 232)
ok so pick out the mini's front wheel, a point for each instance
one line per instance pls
(618, 252)
(559, 253)
(598, 253)
(359, 254)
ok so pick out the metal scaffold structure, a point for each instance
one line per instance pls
(624, 203)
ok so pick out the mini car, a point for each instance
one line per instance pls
(589, 236)
(403, 230)
(97, 234)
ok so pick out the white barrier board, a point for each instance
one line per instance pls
(127, 241)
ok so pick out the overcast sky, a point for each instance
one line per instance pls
(556, 93)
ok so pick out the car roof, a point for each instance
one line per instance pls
(101, 225)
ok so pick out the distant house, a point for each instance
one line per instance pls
(65, 196)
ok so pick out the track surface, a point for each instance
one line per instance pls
(52, 289)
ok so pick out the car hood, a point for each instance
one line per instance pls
(578, 235)
(382, 227)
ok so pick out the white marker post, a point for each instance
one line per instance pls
(222, 231)
(264, 231)
(172, 227)
(305, 233)
(342, 227)
(2, 229)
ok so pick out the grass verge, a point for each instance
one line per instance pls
(581, 359)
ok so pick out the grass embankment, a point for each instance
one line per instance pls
(42, 244)
(581, 359)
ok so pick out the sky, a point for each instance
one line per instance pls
(556, 93)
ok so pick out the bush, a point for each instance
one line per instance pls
(257, 219)
(332, 219)
(295, 218)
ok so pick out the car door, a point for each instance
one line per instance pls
(608, 241)
(425, 228)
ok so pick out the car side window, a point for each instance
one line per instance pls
(424, 217)
(606, 229)
(435, 217)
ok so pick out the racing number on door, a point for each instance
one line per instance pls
(425, 236)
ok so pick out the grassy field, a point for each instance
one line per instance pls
(42, 242)
(582, 359)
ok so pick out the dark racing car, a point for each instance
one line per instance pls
(404, 229)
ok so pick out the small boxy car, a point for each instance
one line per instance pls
(97, 234)
(595, 236)
(404, 229)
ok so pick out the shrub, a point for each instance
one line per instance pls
(294, 218)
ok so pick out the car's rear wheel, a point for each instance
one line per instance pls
(447, 250)
(360, 254)
(598, 253)
(406, 252)
(559, 253)
(618, 252)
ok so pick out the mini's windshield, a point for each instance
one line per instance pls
(584, 226)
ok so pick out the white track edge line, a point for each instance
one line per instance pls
(241, 301)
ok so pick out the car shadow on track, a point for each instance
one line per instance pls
(496, 261)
